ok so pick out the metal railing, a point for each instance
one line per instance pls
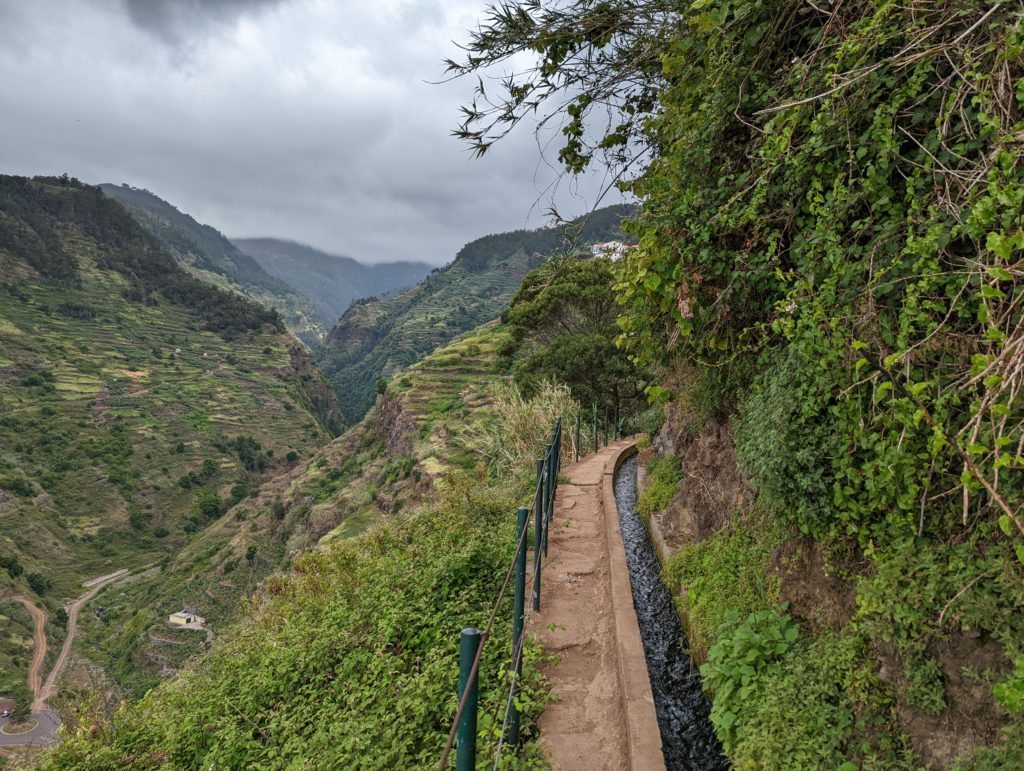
(463, 732)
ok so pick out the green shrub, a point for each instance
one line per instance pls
(798, 704)
(738, 660)
(651, 420)
(663, 477)
(726, 574)
(786, 439)
(1010, 692)
(924, 684)
(37, 583)
(19, 486)
(12, 566)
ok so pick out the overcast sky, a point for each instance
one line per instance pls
(305, 119)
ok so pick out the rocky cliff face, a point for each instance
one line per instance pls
(394, 425)
(712, 490)
(323, 402)
(818, 583)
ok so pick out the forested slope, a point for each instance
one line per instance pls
(136, 400)
(207, 254)
(306, 662)
(380, 336)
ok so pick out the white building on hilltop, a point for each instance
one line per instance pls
(614, 250)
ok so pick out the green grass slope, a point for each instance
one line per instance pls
(383, 335)
(380, 468)
(208, 255)
(135, 401)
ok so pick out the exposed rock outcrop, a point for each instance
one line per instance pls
(712, 489)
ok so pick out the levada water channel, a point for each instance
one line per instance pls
(687, 738)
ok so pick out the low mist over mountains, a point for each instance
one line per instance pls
(192, 242)
(330, 281)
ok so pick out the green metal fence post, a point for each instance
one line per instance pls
(618, 427)
(548, 480)
(465, 750)
(577, 437)
(518, 619)
(605, 426)
(595, 426)
(538, 527)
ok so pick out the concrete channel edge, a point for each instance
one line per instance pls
(642, 732)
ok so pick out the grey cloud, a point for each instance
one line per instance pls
(174, 20)
(310, 120)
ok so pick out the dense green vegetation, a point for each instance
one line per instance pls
(380, 336)
(830, 248)
(331, 282)
(563, 325)
(354, 655)
(831, 234)
(34, 212)
(16, 651)
(663, 475)
(127, 424)
(383, 466)
(208, 255)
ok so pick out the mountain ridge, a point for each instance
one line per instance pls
(378, 337)
(208, 254)
(331, 281)
(136, 401)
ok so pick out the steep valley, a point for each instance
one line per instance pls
(331, 282)
(136, 402)
(380, 336)
(387, 463)
(211, 257)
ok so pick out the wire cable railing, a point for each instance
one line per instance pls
(463, 731)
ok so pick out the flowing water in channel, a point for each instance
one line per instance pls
(688, 740)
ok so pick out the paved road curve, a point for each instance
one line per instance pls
(47, 721)
(47, 725)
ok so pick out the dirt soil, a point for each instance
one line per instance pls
(39, 651)
(972, 719)
(818, 594)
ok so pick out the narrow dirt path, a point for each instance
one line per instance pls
(39, 651)
(72, 608)
(587, 727)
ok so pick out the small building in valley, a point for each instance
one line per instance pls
(186, 617)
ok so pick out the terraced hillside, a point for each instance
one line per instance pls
(208, 255)
(381, 336)
(330, 281)
(382, 466)
(136, 403)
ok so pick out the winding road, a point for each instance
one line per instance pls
(47, 721)
(49, 687)
(39, 652)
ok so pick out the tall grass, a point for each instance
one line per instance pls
(514, 433)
